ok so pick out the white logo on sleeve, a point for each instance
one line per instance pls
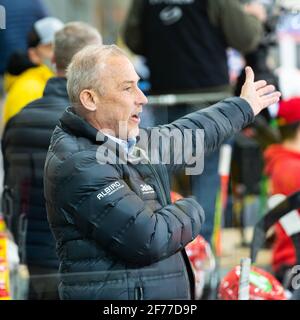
(146, 189)
(112, 188)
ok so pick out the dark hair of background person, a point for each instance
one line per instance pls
(18, 63)
(33, 39)
(289, 131)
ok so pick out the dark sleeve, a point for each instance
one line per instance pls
(242, 31)
(132, 30)
(208, 128)
(218, 121)
(120, 222)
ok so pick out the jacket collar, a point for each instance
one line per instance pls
(78, 126)
(56, 86)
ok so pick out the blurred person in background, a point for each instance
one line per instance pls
(25, 143)
(185, 45)
(20, 16)
(282, 166)
(25, 86)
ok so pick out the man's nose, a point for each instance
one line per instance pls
(141, 99)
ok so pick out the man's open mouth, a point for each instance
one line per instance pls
(136, 117)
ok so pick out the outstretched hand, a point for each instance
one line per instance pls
(258, 94)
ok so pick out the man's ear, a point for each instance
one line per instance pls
(33, 57)
(88, 99)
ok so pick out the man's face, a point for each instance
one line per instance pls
(42, 54)
(120, 104)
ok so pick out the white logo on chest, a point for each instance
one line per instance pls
(146, 189)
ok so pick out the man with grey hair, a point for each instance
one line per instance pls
(25, 143)
(118, 235)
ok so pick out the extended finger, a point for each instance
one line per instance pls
(249, 74)
(270, 99)
(266, 90)
(259, 84)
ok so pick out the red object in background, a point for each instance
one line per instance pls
(198, 252)
(263, 286)
(202, 261)
(289, 111)
(175, 196)
(282, 166)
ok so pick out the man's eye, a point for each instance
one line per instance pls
(127, 89)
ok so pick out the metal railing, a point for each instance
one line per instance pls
(188, 98)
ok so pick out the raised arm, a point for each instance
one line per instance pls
(216, 123)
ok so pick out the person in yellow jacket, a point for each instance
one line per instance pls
(23, 89)
(29, 84)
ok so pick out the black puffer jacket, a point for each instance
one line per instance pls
(25, 144)
(118, 235)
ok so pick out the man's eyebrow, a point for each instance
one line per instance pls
(130, 81)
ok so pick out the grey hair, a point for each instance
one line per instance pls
(71, 39)
(84, 71)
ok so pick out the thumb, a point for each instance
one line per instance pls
(249, 74)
